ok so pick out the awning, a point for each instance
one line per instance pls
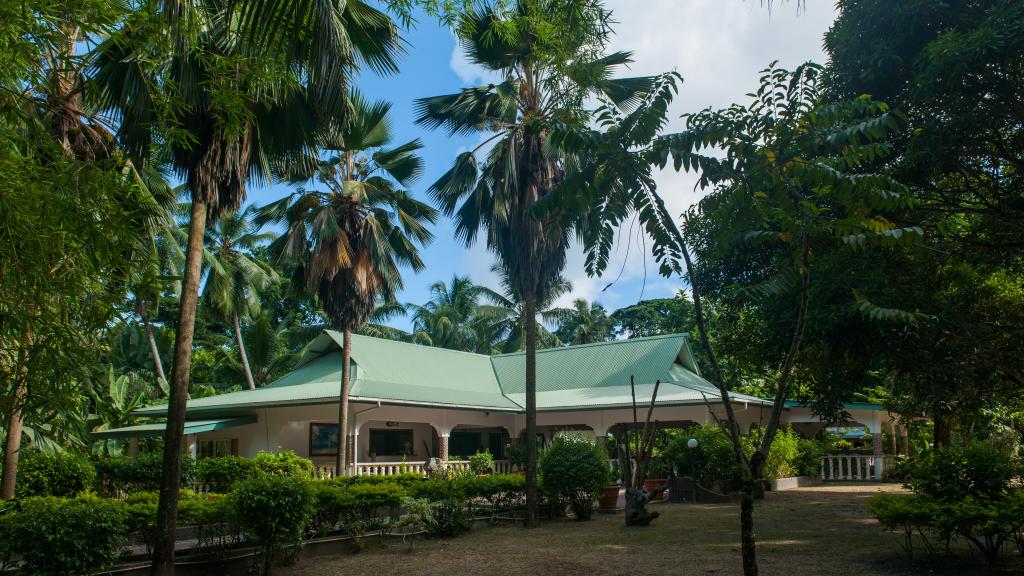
(158, 429)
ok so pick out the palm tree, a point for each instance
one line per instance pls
(452, 319)
(583, 323)
(550, 57)
(223, 88)
(508, 313)
(234, 279)
(347, 243)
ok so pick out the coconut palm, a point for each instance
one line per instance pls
(347, 243)
(583, 323)
(549, 56)
(224, 88)
(234, 279)
(507, 313)
(452, 319)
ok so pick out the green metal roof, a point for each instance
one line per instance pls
(592, 365)
(575, 377)
(158, 429)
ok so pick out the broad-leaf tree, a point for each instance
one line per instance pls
(791, 179)
(548, 57)
(348, 242)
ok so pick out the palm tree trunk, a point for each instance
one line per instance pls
(530, 313)
(12, 445)
(158, 364)
(241, 352)
(346, 364)
(170, 480)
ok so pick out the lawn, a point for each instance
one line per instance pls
(808, 531)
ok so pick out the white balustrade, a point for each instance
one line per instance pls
(393, 468)
(853, 467)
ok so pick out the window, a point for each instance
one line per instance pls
(391, 442)
(214, 448)
(323, 439)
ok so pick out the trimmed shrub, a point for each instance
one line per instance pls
(223, 471)
(67, 536)
(575, 470)
(272, 512)
(283, 463)
(54, 474)
(120, 474)
(481, 463)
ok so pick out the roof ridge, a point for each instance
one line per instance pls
(419, 346)
(593, 344)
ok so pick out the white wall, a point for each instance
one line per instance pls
(288, 428)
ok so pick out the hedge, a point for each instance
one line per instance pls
(54, 474)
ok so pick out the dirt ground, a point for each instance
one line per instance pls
(812, 531)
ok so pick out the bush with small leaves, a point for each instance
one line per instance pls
(574, 470)
(481, 463)
(54, 474)
(272, 512)
(121, 474)
(67, 536)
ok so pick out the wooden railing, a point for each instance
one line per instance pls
(854, 467)
(393, 468)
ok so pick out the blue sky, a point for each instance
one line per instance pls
(717, 45)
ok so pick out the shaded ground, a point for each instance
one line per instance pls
(813, 531)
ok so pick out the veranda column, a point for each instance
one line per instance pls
(133, 447)
(192, 444)
(892, 437)
(442, 447)
(353, 453)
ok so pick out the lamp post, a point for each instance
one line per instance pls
(692, 445)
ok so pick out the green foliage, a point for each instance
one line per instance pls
(481, 462)
(272, 512)
(781, 461)
(809, 452)
(118, 474)
(980, 471)
(224, 471)
(67, 536)
(283, 463)
(966, 492)
(575, 470)
(54, 474)
(713, 459)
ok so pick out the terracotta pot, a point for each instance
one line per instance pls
(650, 485)
(609, 499)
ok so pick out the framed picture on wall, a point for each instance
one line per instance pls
(323, 439)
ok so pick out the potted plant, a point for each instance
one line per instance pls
(657, 474)
(608, 501)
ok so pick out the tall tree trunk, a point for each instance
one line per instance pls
(530, 305)
(241, 352)
(12, 445)
(346, 366)
(170, 479)
(158, 364)
(942, 431)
